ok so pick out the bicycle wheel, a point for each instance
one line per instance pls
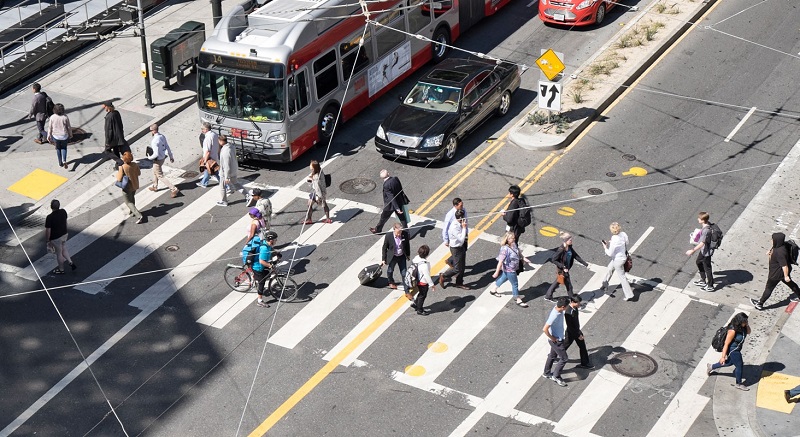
(283, 288)
(238, 279)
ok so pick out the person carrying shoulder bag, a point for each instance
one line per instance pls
(131, 170)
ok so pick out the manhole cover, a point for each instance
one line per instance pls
(190, 174)
(357, 186)
(611, 174)
(172, 248)
(634, 364)
(629, 157)
(595, 191)
(78, 135)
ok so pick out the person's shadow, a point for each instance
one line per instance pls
(454, 303)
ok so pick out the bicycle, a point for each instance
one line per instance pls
(280, 283)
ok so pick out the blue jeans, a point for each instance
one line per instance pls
(794, 392)
(734, 359)
(509, 276)
(61, 151)
(207, 176)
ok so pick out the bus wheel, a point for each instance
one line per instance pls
(327, 120)
(439, 48)
(450, 146)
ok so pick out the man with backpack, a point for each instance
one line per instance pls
(41, 109)
(705, 246)
(518, 215)
(780, 269)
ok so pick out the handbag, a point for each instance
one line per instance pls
(327, 180)
(123, 184)
(560, 277)
(628, 263)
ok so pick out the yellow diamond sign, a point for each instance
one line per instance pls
(550, 65)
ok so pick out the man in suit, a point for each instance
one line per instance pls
(116, 144)
(397, 250)
(574, 333)
(393, 201)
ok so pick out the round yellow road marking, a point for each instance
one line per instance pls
(438, 347)
(415, 370)
(566, 211)
(548, 231)
(635, 171)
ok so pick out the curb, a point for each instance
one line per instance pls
(560, 142)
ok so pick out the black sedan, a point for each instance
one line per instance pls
(446, 104)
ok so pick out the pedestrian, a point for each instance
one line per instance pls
(425, 282)
(394, 199)
(257, 226)
(458, 205)
(55, 235)
(116, 144)
(159, 152)
(554, 330)
(516, 209)
(780, 270)
(507, 266)
(617, 249)
(227, 171)
(789, 394)
(59, 132)
(397, 250)
(738, 330)
(706, 281)
(263, 266)
(574, 333)
(458, 250)
(563, 258)
(264, 206)
(318, 193)
(38, 112)
(209, 162)
(131, 170)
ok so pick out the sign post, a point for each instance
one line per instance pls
(550, 90)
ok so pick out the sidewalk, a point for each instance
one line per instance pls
(110, 70)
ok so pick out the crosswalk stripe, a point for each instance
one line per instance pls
(235, 302)
(584, 413)
(149, 243)
(90, 234)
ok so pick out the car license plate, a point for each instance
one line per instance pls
(558, 17)
(401, 152)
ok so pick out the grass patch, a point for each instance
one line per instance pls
(630, 39)
(672, 9)
(541, 118)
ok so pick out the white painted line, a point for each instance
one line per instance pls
(236, 302)
(640, 240)
(326, 301)
(8, 268)
(91, 234)
(151, 242)
(518, 381)
(595, 400)
(741, 123)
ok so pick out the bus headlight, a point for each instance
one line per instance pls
(381, 134)
(277, 138)
(433, 142)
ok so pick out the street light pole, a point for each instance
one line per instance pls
(145, 68)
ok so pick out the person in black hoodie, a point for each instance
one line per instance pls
(780, 270)
(564, 257)
(511, 214)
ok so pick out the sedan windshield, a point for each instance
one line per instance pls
(433, 97)
(245, 97)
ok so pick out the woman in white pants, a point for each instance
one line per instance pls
(617, 249)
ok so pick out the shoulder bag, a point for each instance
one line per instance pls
(628, 261)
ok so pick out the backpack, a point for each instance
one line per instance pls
(412, 276)
(250, 250)
(525, 217)
(48, 104)
(718, 342)
(715, 236)
(792, 250)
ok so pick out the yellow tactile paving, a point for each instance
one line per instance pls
(37, 184)
(770, 391)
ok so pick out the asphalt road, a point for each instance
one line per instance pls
(167, 374)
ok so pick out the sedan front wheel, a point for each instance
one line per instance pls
(450, 148)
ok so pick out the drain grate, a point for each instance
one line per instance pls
(172, 248)
(629, 157)
(78, 135)
(611, 174)
(190, 174)
(634, 364)
(595, 191)
(357, 186)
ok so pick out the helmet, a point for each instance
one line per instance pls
(271, 236)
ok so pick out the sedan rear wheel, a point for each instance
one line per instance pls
(505, 103)
(600, 15)
(450, 148)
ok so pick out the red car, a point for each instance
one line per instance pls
(574, 12)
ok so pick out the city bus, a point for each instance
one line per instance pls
(272, 77)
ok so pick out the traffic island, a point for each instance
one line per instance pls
(585, 93)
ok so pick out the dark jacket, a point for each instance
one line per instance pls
(393, 196)
(39, 106)
(511, 216)
(560, 258)
(573, 324)
(779, 257)
(115, 133)
(389, 246)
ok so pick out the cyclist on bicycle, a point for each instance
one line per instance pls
(263, 265)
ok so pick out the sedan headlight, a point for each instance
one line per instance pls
(381, 134)
(433, 142)
(276, 138)
(585, 4)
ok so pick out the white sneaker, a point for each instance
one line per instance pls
(700, 282)
(221, 203)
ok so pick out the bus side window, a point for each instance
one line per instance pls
(418, 15)
(326, 78)
(298, 92)
(389, 39)
(348, 51)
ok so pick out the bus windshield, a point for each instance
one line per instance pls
(433, 97)
(240, 96)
